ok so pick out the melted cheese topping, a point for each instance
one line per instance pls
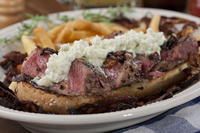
(96, 51)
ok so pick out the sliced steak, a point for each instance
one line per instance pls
(121, 69)
(83, 79)
(13, 58)
(36, 63)
(170, 43)
(78, 73)
(175, 52)
(147, 62)
(183, 49)
(11, 64)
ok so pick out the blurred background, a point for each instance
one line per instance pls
(12, 11)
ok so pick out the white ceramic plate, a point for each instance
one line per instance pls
(96, 122)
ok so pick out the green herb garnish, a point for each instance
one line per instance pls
(3, 40)
(37, 18)
(27, 27)
(108, 16)
(95, 17)
(118, 11)
(64, 18)
(7, 40)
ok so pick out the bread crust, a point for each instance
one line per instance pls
(61, 104)
(50, 102)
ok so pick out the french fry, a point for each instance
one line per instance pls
(43, 37)
(85, 25)
(106, 28)
(116, 27)
(53, 33)
(98, 28)
(102, 29)
(64, 35)
(141, 28)
(28, 44)
(80, 29)
(154, 24)
(77, 35)
(82, 24)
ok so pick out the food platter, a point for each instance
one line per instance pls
(96, 122)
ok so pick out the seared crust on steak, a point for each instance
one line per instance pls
(60, 104)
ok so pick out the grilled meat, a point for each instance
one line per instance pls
(9, 100)
(119, 69)
(11, 64)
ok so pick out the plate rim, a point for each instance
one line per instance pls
(164, 105)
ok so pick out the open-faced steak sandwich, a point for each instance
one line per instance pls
(129, 65)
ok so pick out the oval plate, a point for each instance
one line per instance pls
(49, 123)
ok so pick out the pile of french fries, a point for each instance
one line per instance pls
(76, 30)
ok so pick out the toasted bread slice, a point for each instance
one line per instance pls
(60, 104)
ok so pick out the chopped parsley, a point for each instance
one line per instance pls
(27, 28)
(95, 17)
(108, 16)
(37, 18)
(64, 18)
(3, 40)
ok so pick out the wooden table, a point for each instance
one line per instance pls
(39, 7)
(7, 126)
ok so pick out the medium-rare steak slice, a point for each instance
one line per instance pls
(185, 47)
(121, 69)
(83, 79)
(175, 52)
(36, 63)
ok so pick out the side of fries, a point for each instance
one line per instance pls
(43, 38)
(81, 29)
(76, 30)
(154, 24)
